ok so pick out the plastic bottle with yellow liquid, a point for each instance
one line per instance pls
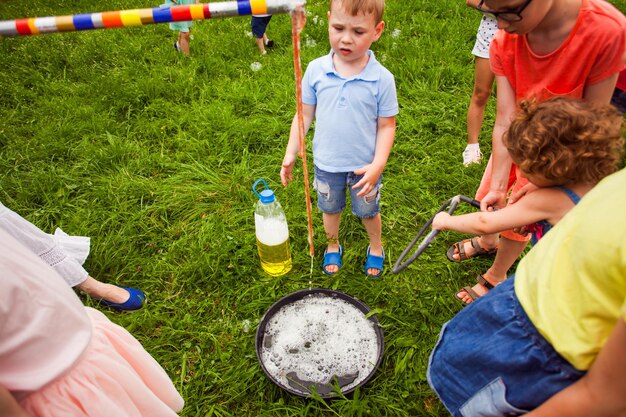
(272, 233)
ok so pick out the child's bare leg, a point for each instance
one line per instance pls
(483, 81)
(260, 43)
(183, 42)
(508, 252)
(331, 227)
(373, 226)
(100, 290)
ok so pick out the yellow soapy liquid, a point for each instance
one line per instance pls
(275, 260)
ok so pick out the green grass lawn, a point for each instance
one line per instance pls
(111, 134)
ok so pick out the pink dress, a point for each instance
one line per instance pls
(59, 358)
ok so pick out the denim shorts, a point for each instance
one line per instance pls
(490, 360)
(258, 24)
(331, 194)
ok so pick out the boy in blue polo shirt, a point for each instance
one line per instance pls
(353, 99)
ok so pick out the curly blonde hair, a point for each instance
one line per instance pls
(565, 140)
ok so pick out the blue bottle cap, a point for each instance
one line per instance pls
(267, 196)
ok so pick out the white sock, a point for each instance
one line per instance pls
(471, 146)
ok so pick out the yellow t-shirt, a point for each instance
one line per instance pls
(572, 284)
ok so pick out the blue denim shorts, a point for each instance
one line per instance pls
(331, 194)
(490, 360)
(258, 24)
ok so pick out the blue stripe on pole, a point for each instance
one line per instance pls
(162, 14)
(243, 7)
(83, 22)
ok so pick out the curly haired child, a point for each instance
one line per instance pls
(563, 146)
(543, 49)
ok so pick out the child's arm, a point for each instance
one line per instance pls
(599, 392)
(501, 160)
(472, 3)
(385, 136)
(545, 203)
(601, 92)
(308, 112)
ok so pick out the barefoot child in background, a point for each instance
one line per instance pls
(563, 146)
(353, 100)
(544, 49)
(59, 358)
(183, 28)
(483, 82)
(258, 24)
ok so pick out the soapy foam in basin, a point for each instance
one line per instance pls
(317, 341)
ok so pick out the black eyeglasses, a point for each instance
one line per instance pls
(509, 16)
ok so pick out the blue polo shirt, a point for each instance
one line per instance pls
(347, 112)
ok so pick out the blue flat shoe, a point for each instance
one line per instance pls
(136, 300)
(332, 258)
(373, 261)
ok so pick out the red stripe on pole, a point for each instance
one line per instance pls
(112, 19)
(207, 12)
(22, 26)
(181, 13)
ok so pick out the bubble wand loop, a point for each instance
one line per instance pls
(140, 17)
(298, 19)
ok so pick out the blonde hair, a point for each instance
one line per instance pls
(356, 7)
(566, 140)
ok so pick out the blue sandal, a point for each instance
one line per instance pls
(373, 261)
(332, 258)
(135, 301)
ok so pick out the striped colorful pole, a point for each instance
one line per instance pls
(140, 17)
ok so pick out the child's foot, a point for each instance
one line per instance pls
(123, 298)
(374, 262)
(269, 43)
(469, 248)
(263, 52)
(333, 258)
(472, 154)
(135, 301)
(469, 294)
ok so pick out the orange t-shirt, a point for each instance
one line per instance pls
(592, 52)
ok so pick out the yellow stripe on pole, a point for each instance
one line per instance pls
(258, 6)
(197, 11)
(130, 17)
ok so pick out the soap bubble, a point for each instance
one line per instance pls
(245, 325)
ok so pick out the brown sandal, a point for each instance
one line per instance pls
(459, 247)
(473, 294)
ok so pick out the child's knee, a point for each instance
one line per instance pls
(328, 200)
